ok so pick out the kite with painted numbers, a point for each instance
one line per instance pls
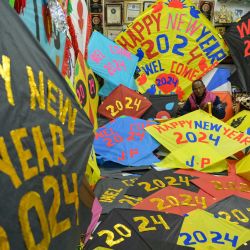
(176, 44)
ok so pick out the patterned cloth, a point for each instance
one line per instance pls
(243, 99)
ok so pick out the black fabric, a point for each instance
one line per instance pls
(109, 169)
(235, 80)
(111, 193)
(159, 103)
(141, 229)
(154, 181)
(237, 38)
(233, 208)
(20, 53)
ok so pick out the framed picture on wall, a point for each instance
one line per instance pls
(237, 14)
(207, 9)
(112, 33)
(221, 29)
(113, 14)
(132, 10)
(147, 4)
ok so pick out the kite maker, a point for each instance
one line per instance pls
(200, 99)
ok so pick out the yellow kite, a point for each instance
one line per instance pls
(203, 231)
(242, 167)
(93, 173)
(240, 121)
(86, 87)
(176, 44)
(198, 140)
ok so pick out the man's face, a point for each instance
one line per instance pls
(198, 89)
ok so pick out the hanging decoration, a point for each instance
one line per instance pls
(58, 16)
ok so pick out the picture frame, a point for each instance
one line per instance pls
(237, 14)
(113, 14)
(96, 19)
(112, 32)
(132, 10)
(207, 9)
(95, 2)
(221, 29)
(147, 4)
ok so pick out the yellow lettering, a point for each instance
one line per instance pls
(58, 148)
(5, 74)
(51, 98)
(24, 155)
(41, 148)
(32, 200)
(36, 94)
(56, 228)
(71, 197)
(6, 165)
(64, 109)
(4, 243)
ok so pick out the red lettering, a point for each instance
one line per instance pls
(122, 157)
(204, 161)
(133, 152)
(147, 20)
(247, 49)
(138, 27)
(244, 29)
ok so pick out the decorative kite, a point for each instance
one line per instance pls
(202, 230)
(234, 209)
(137, 229)
(93, 173)
(241, 121)
(217, 80)
(176, 44)
(153, 181)
(238, 39)
(111, 193)
(110, 61)
(125, 141)
(86, 87)
(242, 167)
(124, 101)
(43, 129)
(223, 186)
(198, 140)
(176, 200)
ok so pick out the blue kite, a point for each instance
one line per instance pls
(110, 61)
(125, 141)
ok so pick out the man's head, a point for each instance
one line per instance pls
(198, 88)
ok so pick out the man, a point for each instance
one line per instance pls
(200, 98)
